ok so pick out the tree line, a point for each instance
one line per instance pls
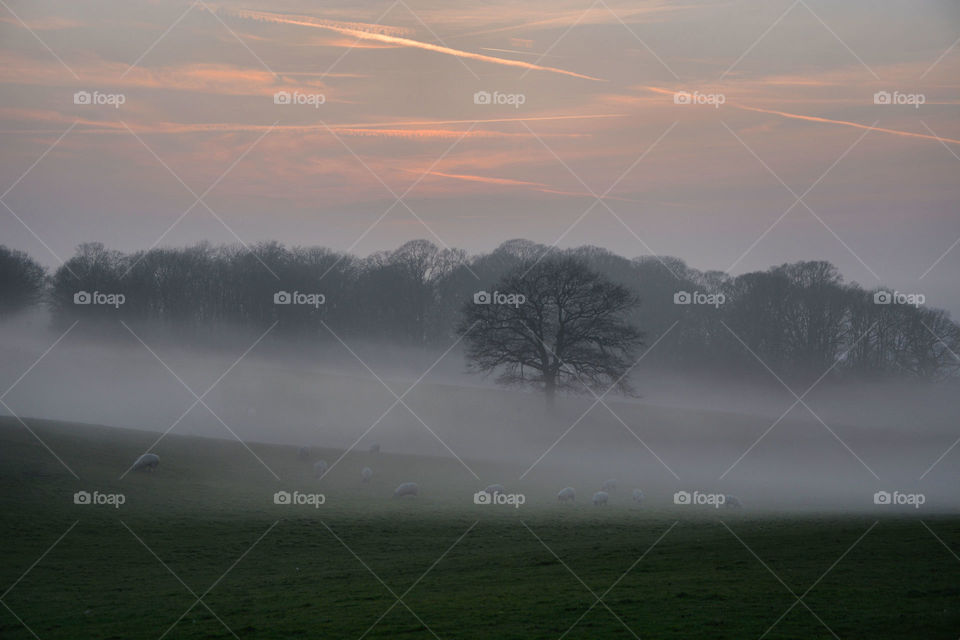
(798, 319)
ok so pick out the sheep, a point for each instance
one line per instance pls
(367, 473)
(319, 468)
(374, 448)
(494, 489)
(567, 494)
(303, 453)
(731, 502)
(146, 462)
(600, 497)
(406, 489)
(609, 485)
(638, 496)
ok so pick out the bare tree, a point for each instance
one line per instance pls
(21, 280)
(553, 324)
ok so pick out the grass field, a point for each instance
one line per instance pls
(205, 526)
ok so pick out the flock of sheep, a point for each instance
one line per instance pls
(569, 494)
(320, 466)
(366, 474)
(149, 462)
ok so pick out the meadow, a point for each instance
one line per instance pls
(199, 549)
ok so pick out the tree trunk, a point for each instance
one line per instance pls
(550, 391)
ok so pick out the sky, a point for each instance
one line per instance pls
(735, 135)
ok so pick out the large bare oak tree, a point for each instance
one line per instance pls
(567, 332)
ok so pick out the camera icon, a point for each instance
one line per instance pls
(82, 97)
(682, 97)
(282, 97)
(882, 97)
(82, 497)
(482, 297)
(681, 497)
(482, 97)
(482, 497)
(282, 297)
(882, 297)
(281, 497)
(881, 497)
(682, 297)
(82, 297)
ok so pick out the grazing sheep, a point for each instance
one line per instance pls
(406, 489)
(732, 502)
(375, 448)
(367, 473)
(494, 489)
(146, 462)
(609, 485)
(319, 468)
(567, 494)
(600, 497)
(303, 453)
(637, 496)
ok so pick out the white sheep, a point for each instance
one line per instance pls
(637, 496)
(731, 502)
(494, 489)
(319, 468)
(600, 497)
(609, 485)
(303, 453)
(567, 494)
(367, 473)
(375, 448)
(406, 489)
(147, 462)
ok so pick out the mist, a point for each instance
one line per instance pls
(684, 432)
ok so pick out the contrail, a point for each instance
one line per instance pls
(520, 53)
(372, 132)
(668, 92)
(485, 179)
(307, 21)
(797, 116)
(418, 123)
(521, 183)
(348, 128)
(366, 27)
(896, 132)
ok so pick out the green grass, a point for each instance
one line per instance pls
(203, 511)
